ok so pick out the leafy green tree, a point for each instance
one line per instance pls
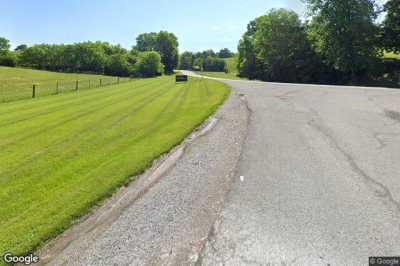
(167, 46)
(345, 34)
(8, 59)
(165, 43)
(36, 56)
(282, 48)
(225, 53)
(21, 48)
(118, 65)
(149, 64)
(391, 26)
(4, 45)
(186, 61)
(198, 63)
(146, 42)
(214, 64)
(246, 63)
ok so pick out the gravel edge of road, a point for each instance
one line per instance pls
(109, 210)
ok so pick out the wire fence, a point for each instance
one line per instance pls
(13, 91)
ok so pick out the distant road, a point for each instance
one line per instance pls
(318, 182)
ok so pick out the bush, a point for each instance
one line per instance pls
(214, 64)
(118, 65)
(8, 59)
(149, 64)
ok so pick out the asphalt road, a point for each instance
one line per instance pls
(318, 182)
(290, 175)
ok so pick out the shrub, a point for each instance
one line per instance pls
(8, 59)
(149, 64)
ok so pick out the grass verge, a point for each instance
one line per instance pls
(60, 155)
(223, 75)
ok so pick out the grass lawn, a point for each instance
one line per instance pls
(231, 64)
(16, 83)
(392, 55)
(231, 67)
(62, 154)
(223, 75)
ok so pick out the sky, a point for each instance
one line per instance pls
(199, 25)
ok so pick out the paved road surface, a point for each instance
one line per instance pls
(319, 179)
(312, 174)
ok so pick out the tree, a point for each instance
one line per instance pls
(246, 63)
(21, 47)
(146, 42)
(165, 43)
(345, 34)
(198, 63)
(167, 46)
(4, 45)
(282, 47)
(118, 65)
(149, 64)
(391, 26)
(35, 56)
(225, 53)
(8, 59)
(186, 61)
(214, 64)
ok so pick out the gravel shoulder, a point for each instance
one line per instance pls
(165, 216)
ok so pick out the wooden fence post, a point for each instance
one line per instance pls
(57, 91)
(33, 90)
(77, 85)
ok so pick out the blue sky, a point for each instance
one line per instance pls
(199, 25)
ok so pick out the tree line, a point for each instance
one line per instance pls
(155, 56)
(340, 42)
(205, 61)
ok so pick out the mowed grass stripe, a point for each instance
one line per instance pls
(105, 118)
(58, 178)
(51, 137)
(69, 114)
(55, 103)
(53, 188)
(67, 155)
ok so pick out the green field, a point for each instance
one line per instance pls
(231, 64)
(391, 55)
(16, 83)
(219, 75)
(62, 154)
(231, 67)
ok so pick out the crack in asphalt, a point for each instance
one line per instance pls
(327, 132)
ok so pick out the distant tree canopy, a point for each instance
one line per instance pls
(98, 57)
(7, 58)
(391, 26)
(186, 60)
(206, 61)
(225, 53)
(163, 42)
(21, 47)
(339, 43)
(4, 45)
